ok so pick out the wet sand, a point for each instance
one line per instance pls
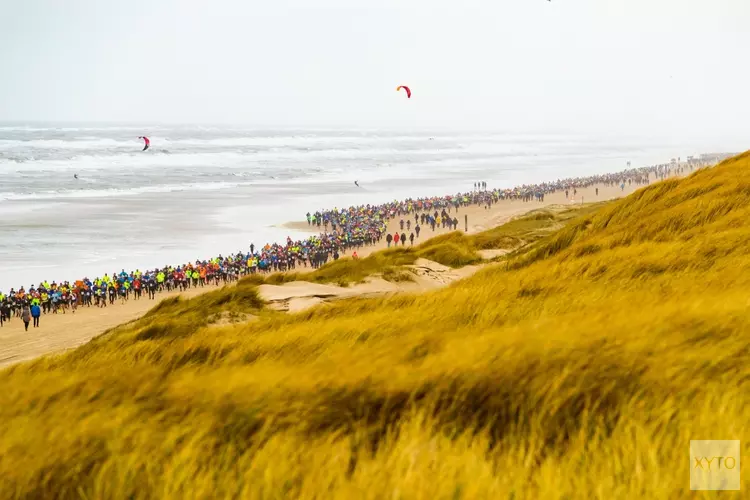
(60, 332)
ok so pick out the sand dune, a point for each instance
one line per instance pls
(300, 295)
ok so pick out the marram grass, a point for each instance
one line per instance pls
(579, 368)
(454, 249)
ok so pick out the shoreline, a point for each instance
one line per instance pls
(147, 231)
(60, 332)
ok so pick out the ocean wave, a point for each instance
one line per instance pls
(120, 192)
(80, 159)
(65, 144)
(36, 162)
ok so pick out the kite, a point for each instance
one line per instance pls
(146, 142)
(407, 89)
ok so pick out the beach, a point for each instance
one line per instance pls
(59, 332)
(201, 191)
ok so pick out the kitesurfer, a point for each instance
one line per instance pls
(407, 89)
(356, 183)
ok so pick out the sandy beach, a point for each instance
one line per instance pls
(66, 331)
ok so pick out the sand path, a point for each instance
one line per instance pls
(60, 332)
(300, 295)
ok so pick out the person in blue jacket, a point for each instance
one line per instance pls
(36, 311)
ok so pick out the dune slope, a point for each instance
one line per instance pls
(580, 367)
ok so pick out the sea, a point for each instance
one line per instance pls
(201, 191)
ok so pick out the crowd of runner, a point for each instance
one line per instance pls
(341, 231)
(439, 207)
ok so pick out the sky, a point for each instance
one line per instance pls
(664, 67)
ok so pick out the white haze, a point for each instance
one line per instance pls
(666, 68)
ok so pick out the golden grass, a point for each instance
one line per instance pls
(347, 270)
(582, 369)
(454, 249)
(397, 275)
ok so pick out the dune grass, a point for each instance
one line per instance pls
(454, 249)
(397, 275)
(347, 270)
(582, 369)
(531, 227)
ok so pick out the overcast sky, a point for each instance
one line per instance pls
(652, 66)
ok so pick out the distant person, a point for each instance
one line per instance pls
(36, 312)
(26, 317)
(388, 239)
(417, 229)
(355, 256)
(597, 191)
(5, 311)
(403, 239)
(152, 286)
(411, 239)
(395, 238)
